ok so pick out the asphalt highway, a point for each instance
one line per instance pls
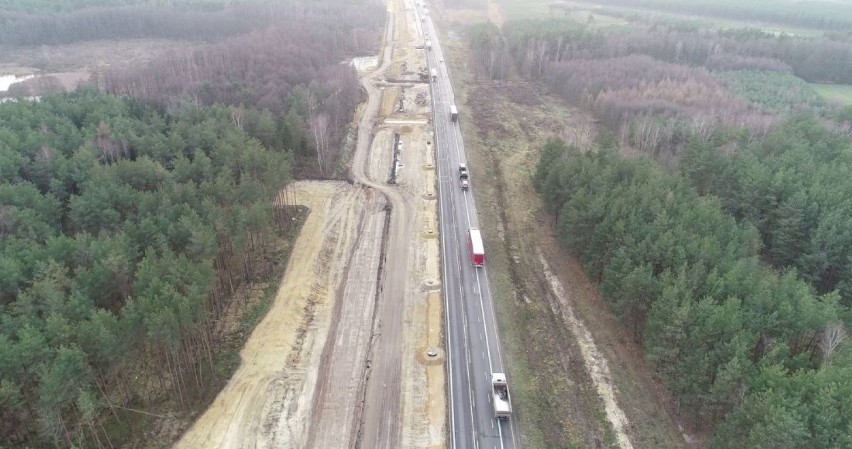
(473, 345)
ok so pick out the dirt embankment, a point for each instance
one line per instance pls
(265, 404)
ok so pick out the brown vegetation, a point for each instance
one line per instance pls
(292, 71)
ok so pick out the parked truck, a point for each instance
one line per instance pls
(434, 75)
(477, 249)
(500, 396)
(454, 113)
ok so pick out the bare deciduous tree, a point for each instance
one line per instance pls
(832, 336)
(319, 129)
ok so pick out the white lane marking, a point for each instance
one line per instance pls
(500, 432)
(494, 318)
(451, 218)
(457, 132)
(484, 325)
(444, 236)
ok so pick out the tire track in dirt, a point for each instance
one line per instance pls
(338, 391)
(377, 410)
(380, 421)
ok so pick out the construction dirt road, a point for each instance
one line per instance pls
(340, 360)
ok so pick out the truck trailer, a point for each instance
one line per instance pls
(454, 113)
(477, 249)
(434, 75)
(500, 396)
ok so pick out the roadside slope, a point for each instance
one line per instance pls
(264, 404)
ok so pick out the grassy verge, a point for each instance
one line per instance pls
(835, 93)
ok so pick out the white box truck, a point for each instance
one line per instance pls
(500, 394)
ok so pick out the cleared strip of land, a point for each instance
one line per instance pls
(267, 401)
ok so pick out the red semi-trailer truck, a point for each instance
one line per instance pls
(477, 249)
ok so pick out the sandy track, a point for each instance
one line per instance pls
(343, 362)
(595, 363)
(404, 401)
(267, 401)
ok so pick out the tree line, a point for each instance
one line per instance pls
(124, 232)
(127, 22)
(816, 14)
(288, 78)
(196, 21)
(657, 87)
(68, 5)
(753, 352)
(52, 6)
(534, 43)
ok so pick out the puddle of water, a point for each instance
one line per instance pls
(6, 81)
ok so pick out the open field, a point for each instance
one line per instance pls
(835, 93)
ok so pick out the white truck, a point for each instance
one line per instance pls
(500, 395)
(434, 75)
